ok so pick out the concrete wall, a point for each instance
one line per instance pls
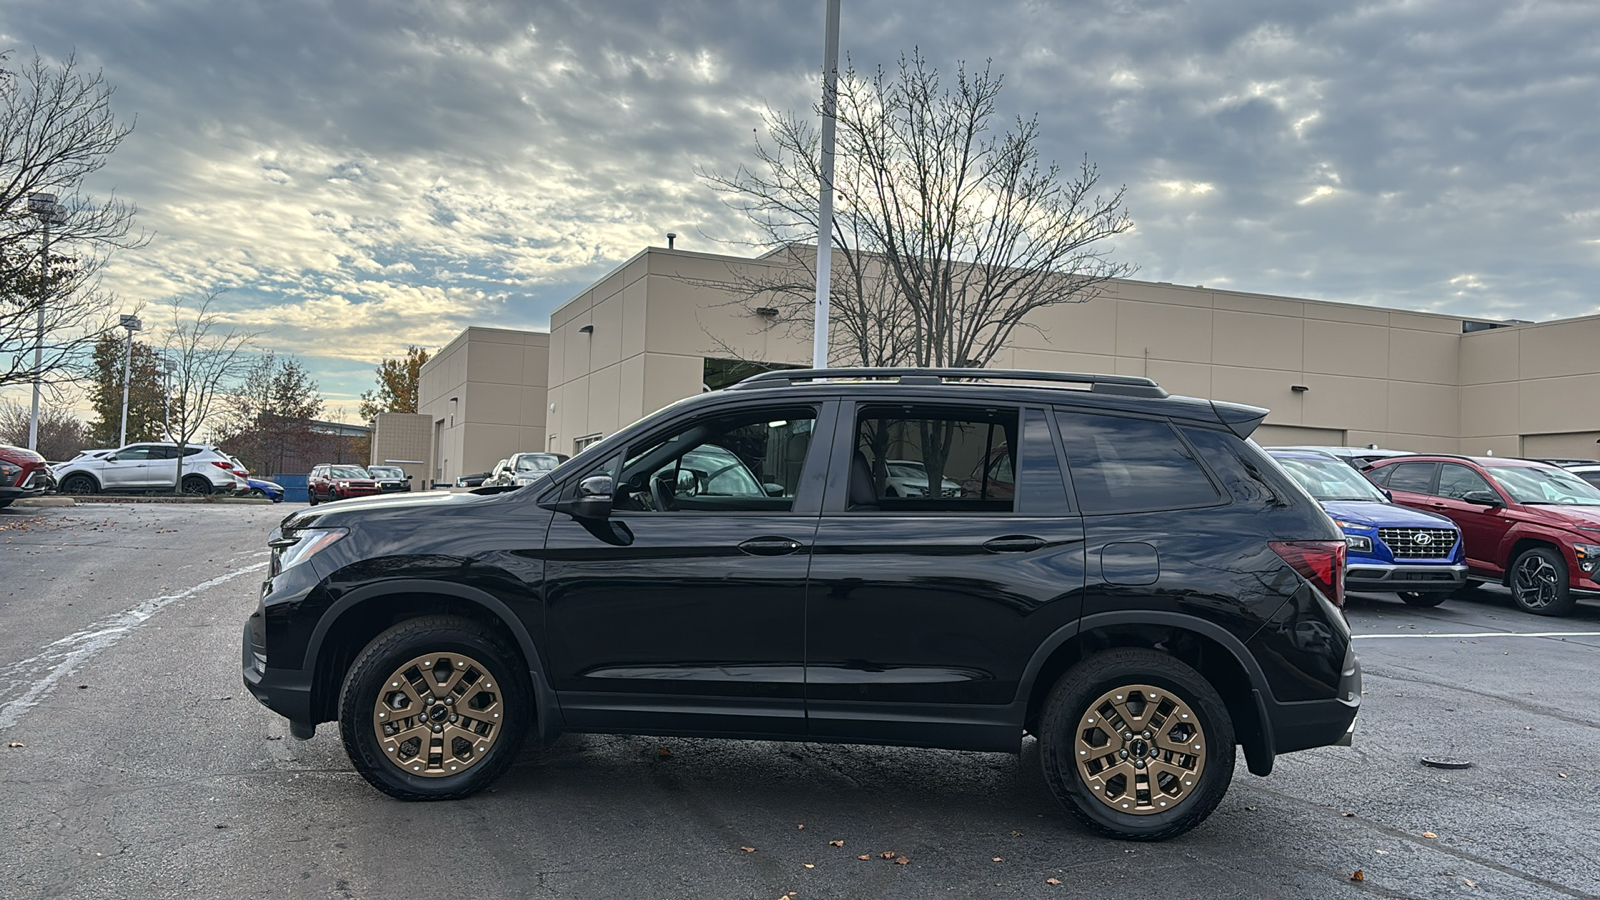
(485, 395)
(404, 440)
(1531, 389)
(1389, 377)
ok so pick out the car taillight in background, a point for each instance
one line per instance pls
(228, 466)
(1319, 562)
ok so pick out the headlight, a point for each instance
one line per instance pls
(1357, 542)
(305, 543)
(1588, 557)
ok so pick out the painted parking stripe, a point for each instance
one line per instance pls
(61, 657)
(1480, 634)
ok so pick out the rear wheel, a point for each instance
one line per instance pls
(1136, 744)
(198, 485)
(80, 484)
(1418, 598)
(1539, 583)
(434, 709)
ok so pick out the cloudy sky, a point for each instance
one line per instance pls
(363, 174)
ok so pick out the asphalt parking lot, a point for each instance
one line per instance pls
(142, 768)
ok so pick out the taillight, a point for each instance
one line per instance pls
(1319, 562)
(222, 465)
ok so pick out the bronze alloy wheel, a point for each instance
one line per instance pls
(438, 715)
(1140, 749)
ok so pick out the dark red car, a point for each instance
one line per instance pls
(1532, 527)
(338, 482)
(22, 474)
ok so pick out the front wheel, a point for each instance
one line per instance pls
(435, 708)
(1539, 583)
(79, 484)
(1419, 598)
(1136, 744)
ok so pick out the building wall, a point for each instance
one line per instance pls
(1390, 377)
(404, 440)
(484, 393)
(1531, 390)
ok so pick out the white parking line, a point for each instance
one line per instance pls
(1480, 634)
(67, 654)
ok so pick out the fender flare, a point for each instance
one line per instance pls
(1259, 753)
(548, 718)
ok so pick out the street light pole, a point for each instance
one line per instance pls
(44, 206)
(830, 105)
(133, 324)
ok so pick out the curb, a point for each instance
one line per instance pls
(23, 502)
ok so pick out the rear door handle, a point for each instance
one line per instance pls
(770, 546)
(1014, 543)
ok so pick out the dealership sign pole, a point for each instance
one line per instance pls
(830, 103)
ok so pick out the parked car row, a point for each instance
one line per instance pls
(1532, 525)
(23, 473)
(522, 468)
(150, 466)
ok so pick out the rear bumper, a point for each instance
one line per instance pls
(1319, 723)
(1375, 576)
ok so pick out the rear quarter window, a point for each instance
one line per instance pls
(1131, 465)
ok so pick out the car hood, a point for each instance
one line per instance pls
(346, 510)
(1585, 517)
(1383, 515)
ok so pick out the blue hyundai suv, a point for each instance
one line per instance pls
(1415, 554)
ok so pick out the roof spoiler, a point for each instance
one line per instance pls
(1242, 420)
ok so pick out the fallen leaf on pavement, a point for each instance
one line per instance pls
(801, 826)
(888, 854)
(997, 859)
(901, 860)
(1358, 875)
(1429, 834)
(836, 843)
(865, 856)
(1469, 882)
(1052, 881)
(1561, 774)
(808, 865)
(664, 753)
(1348, 815)
(748, 849)
(15, 744)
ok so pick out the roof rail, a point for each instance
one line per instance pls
(1123, 385)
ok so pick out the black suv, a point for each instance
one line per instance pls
(1120, 574)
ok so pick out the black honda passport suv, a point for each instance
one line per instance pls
(1119, 573)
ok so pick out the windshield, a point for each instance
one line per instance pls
(1528, 484)
(535, 463)
(386, 472)
(348, 472)
(1330, 479)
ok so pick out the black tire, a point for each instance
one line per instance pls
(6, 502)
(1074, 701)
(79, 483)
(1423, 599)
(311, 497)
(199, 485)
(258, 493)
(368, 680)
(1539, 583)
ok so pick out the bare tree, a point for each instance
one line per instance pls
(946, 234)
(61, 434)
(208, 361)
(56, 128)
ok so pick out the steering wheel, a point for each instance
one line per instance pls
(660, 497)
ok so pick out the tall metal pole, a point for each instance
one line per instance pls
(830, 105)
(44, 206)
(133, 324)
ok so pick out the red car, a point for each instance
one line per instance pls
(1532, 527)
(22, 474)
(338, 482)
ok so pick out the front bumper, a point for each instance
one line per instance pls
(1376, 576)
(286, 692)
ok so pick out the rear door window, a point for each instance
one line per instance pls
(1415, 478)
(911, 457)
(1123, 464)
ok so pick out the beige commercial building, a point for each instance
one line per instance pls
(484, 394)
(668, 324)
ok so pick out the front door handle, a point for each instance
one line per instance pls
(770, 546)
(1014, 543)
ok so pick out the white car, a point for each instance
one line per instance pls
(149, 466)
(527, 468)
(908, 478)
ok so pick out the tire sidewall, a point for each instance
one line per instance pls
(378, 661)
(1088, 681)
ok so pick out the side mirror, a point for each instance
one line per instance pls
(593, 500)
(1388, 494)
(773, 490)
(111, 457)
(410, 477)
(687, 484)
(1482, 498)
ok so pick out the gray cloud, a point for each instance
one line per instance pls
(361, 175)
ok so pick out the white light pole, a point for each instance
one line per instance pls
(49, 212)
(133, 324)
(830, 105)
